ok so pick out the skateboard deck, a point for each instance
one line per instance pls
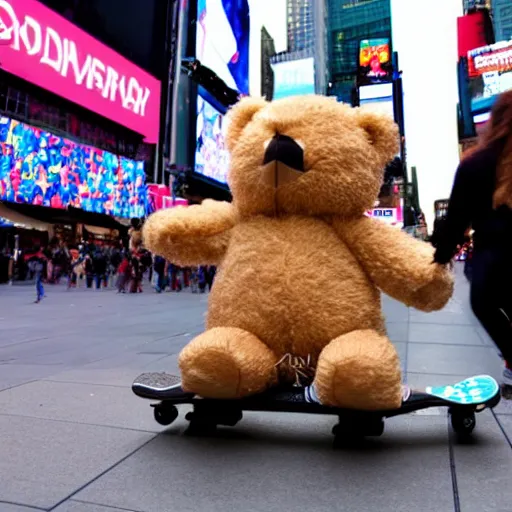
(463, 400)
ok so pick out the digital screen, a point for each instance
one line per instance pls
(378, 98)
(229, 38)
(47, 50)
(212, 157)
(43, 169)
(490, 74)
(375, 64)
(293, 78)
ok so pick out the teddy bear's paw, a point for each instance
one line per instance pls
(359, 370)
(436, 294)
(207, 219)
(227, 363)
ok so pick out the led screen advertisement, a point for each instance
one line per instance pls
(43, 169)
(490, 74)
(47, 50)
(212, 158)
(378, 97)
(375, 64)
(294, 77)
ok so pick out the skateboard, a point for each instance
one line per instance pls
(462, 400)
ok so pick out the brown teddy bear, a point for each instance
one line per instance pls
(301, 267)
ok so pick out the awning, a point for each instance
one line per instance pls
(22, 221)
(96, 230)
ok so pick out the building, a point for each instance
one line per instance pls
(349, 22)
(301, 25)
(80, 123)
(502, 16)
(304, 65)
(476, 4)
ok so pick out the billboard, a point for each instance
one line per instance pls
(378, 97)
(212, 157)
(294, 77)
(472, 32)
(229, 38)
(43, 169)
(490, 74)
(160, 197)
(495, 58)
(375, 65)
(45, 49)
(391, 216)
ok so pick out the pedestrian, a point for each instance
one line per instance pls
(202, 278)
(482, 198)
(159, 270)
(210, 276)
(137, 274)
(194, 279)
(89, 270)
(124, 274)
(36, 265)
(100, 265)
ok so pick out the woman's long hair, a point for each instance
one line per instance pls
(498, 137)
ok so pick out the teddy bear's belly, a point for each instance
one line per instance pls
(294, 284)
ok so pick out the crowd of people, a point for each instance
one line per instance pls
(103, 266)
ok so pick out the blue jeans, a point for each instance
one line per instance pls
(39, 288)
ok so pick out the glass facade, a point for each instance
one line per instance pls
(301, 26)
(349, 22)
(502, 16)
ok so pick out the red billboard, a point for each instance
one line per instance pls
(471, 32)
(45, 49)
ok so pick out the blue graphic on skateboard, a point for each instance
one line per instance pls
(473, 391)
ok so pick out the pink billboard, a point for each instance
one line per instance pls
(45, 49)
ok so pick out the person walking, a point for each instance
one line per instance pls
(482, 198)
(159, 270)
(36, 266)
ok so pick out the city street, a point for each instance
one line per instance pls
(75, 439)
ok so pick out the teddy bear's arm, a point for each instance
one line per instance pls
(192, 235)
(398, 264)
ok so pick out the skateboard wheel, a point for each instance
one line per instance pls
(463, 423)
(165, 415)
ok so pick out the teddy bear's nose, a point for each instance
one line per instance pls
(285, 150)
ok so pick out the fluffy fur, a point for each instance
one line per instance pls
(300, 267)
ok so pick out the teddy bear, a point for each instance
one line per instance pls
(301, 267)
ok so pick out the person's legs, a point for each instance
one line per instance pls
(492, 304)
(39, 289)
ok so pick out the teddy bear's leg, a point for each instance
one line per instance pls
(226, 362)
(359, 370)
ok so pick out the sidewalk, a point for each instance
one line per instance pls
(74, 439)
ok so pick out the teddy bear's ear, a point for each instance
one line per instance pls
(382, 132)
(240, 116)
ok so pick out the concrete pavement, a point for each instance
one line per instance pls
(73, 438)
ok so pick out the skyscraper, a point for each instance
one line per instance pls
(268, 50)
(301, 26)
(349, 22)
(502, 16)
(307, 38)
